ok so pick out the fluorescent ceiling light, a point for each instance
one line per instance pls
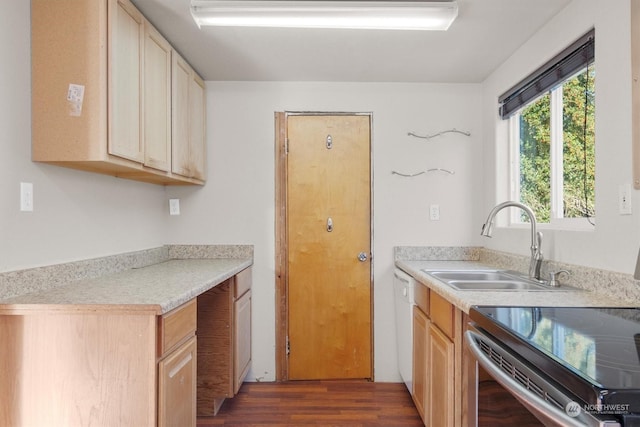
(392, 15)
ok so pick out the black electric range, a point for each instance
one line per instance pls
(594, 353)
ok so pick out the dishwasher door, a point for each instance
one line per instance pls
(403, 288)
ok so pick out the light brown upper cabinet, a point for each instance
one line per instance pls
(157, 100)
(102, 93)
(188, 152)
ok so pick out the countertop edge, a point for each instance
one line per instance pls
(146, 297)
(194, 292)
(120, 309)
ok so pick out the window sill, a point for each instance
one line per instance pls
(567, 224)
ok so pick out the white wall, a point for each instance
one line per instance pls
(613, 243)
(76, 215)
(237, 203)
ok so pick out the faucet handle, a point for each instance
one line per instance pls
(554, 275)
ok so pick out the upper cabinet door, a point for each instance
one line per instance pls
(197, 150)
(157, 99)
(126, 25)
(181, 74)
(188, 143)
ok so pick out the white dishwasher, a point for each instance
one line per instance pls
(403, 286)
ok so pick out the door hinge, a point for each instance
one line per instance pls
(288, 346)
(286, 146)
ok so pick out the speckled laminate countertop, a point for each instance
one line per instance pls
(465, 299)
(158, 288)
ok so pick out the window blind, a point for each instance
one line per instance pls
(571, 60)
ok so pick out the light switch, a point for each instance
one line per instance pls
(26, 197)
(434, 212)
(174, 206)
(624, 199)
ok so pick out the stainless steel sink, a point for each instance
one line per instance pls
(490, 280)
(502, 285)
(473, 275)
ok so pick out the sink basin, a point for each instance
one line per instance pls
(489, 280)
(472, 275)
(498, 285)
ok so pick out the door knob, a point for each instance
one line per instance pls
(362, 257)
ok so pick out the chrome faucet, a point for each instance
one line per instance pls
(536, 236)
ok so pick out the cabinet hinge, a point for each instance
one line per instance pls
(288, 346)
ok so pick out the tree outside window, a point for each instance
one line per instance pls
(555, 148)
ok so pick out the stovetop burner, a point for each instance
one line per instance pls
(592, 352)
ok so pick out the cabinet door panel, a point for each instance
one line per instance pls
(420, 338)
(242, 339)
(441, 387)
(177, 387)
(188, 144)
(157, 100)
(126, 26)
(180, 141)
(196, 127)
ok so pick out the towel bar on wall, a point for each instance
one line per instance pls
(454, 130)
(423, 172)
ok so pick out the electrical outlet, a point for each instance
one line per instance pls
(624, 199)
(434, 212)
(174, 206)
(26, 197)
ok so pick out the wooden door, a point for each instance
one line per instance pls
(328, 226)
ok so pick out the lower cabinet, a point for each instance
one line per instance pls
(437, 356)
(176, 349)
(125, 365)
(224, 341)
(177, 387)
(440, 361)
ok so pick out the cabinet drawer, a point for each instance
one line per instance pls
(421, 295)
(243, 282)
(441, 312)
(176, 325)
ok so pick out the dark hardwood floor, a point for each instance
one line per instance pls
(326, 403)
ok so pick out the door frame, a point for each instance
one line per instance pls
(281, 238)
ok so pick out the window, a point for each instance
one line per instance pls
(552, 136)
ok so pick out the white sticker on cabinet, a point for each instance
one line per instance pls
(75, 96)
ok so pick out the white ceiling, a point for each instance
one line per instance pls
(483, 36)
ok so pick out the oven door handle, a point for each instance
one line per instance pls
(532, 401)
